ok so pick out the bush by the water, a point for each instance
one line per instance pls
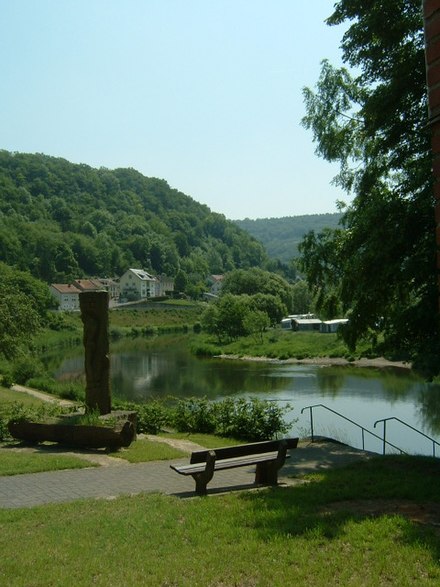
(244, 419)
(151, 417)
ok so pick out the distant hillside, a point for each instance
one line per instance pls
(281, 236)
(62, 221)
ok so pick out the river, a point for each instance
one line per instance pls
(165, 367)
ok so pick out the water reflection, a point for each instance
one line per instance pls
(162, 367)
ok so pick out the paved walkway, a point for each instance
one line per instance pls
(113, 479)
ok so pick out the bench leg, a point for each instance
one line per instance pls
(202, 479)
(267, 473)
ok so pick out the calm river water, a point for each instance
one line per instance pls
(143, 369)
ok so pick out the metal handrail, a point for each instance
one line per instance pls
(363, 429)
(385, 420)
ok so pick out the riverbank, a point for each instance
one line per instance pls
(377, 362)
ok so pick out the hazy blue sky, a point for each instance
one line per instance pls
(205, 94)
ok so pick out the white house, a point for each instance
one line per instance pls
(66, 295)
(112, 286)
(137, 284)
(332, 325)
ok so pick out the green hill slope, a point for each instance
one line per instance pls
(62, 221)
(281, 236)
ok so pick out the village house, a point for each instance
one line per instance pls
(67, 296)
(137, 284)
(97, 284)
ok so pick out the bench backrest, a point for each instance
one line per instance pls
(240, 450)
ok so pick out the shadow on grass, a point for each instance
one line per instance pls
(327, 501)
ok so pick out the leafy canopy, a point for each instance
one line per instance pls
(379, 267)
(62, 221)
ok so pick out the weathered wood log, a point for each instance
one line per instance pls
(121, 434)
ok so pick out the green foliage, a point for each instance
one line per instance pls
(380, 265)
(195, 415)
(4, 432)
(7, 380)
(225, 317)
(70, 390)
(302, 302)
(18, 412)
(257, 281)
(131, 220)
(256, 323)
(24, 305)
(281, 236)
(151, 417)
(24, 368)
(250, 420)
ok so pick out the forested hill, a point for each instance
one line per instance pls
(281, 236)
(62, 220)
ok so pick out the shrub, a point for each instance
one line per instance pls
(151, 417)
(195, 415)
(7, 380)
(4, 432)
(251, 420)
(24, 368)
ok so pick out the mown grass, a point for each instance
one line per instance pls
(143, 450)
(274, 537)
(9, 397)
(205, 440)
(18, 462)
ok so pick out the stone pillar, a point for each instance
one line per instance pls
(431, 12)
(94, 314)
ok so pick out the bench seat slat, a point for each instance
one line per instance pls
(227, 463)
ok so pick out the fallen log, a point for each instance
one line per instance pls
(121, 434)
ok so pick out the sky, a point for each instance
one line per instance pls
(206, 94)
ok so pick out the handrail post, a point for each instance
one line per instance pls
(311, 424)
(384, 437)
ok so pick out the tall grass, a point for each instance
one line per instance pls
(278, 344)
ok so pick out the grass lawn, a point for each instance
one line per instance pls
(14, 462)
(205, 440)
(8, 397)
(315, 534)
(143, 450)
(280, 344)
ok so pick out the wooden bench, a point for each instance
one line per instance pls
(269, 456)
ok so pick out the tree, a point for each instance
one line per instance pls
(255, 281)
(18, 321)
(226, 317)
(256, 322)
(381, 264)
(180, 282)
(302, 300)
(24, 302)
(270, 305)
